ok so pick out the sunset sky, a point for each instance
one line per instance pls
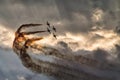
(68, 15)
(83, 26)
(90, 22)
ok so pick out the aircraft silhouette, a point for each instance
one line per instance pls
(48, 30)
(54, 36)
(54, 28)
(48, 24)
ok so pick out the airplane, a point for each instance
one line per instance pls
(54, 28)
(54, 36)
(48, 24)
(48, 30)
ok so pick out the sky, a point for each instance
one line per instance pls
(67, 15)
(91, 22)
(83, 26)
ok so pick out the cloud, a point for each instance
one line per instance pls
(77, 12)
(117, 52)
(87, 26)
(74, 16)
(14, 13)
(69, 17)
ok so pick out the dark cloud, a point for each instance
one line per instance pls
(74, 15)
(16, 12)
(30, 2)
(118, 51)
(68, 7)
(100, 55)
(78, 13)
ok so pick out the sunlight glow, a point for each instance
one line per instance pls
(6, 37)
(106, 41)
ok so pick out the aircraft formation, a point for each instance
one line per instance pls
(50, 31)
(64, 66)
(20, 36)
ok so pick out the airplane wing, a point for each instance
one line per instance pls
(54, 36)
(48, 24)
(48, 30)
(54, 28)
